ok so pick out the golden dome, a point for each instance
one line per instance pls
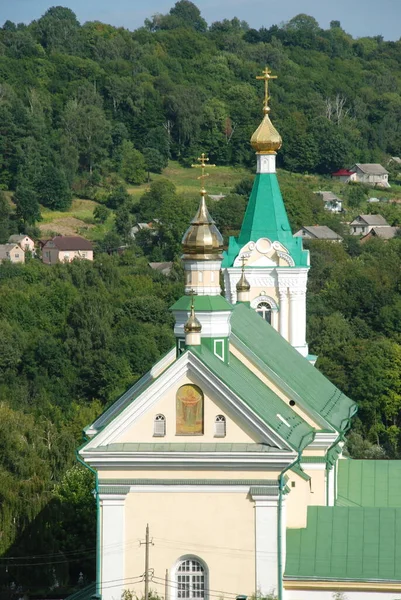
(202, 239)
(266, 139)
(192, 325)
(243, 284)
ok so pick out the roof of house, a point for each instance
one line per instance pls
(378, 220)
(386, 233)
(319, 232)
(371, 168)
(72, 242)
(396, 159)
(328, 196)
(162, 267)
(360, 537)
(84, 593)
(6, 248)
(18, 237)
(342, 173)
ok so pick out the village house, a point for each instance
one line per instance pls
(24, 241)
(318, 232)
(331, 202)
(65, 249)
(362, 224)
(11, 252)
(344, 176)
(371, 174)
(384, 233)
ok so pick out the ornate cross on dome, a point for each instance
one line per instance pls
(266, 76)
(203, 159)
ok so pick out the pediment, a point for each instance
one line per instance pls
(135, 423)
(264, 253)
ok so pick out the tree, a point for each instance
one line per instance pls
(132, 166)
(58, 29)
(53, 190)
(5, 211)
(154, 161)
(123, 222)
(101, 213)
(27, 205)
(117, 197)
(189, 14)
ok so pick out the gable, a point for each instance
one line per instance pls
(264, 253)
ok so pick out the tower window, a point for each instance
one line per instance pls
(220, 426)
(265, 311)
(190, 580)
(159, 429)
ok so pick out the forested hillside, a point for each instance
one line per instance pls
(87, 110)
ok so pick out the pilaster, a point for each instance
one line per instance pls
(112, 517)
(283, 315)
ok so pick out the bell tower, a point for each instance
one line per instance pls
(276, 265)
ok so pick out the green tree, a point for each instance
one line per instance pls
(27, 205)
(101, 213)
(5, 211)
(132, 166)
(189, 14)
(53, 190)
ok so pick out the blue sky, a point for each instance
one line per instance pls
(358, 17)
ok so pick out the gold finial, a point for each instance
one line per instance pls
(266, 76)
(192, 325)
(243, 283)
(203, 159)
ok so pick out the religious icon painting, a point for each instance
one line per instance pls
(189, 410)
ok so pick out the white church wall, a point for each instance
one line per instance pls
(218, 528)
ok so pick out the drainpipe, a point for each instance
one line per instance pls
(281, 486)
(340, 438)
(79, 459)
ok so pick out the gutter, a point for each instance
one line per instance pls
(98, 561)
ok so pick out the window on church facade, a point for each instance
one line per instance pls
(220, 426)
(265, 311)
(159, 429)
(190, 580)
(189, 410)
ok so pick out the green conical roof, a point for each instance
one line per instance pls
(266, 217)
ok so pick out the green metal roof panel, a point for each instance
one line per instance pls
(266, 216)
(261, 399)
(346, 543)
(183, 447)
(313, 459)
(203, 303)
(369, 483)
(315, 390)
(83, 594)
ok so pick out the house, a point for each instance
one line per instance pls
(24, 241)
(140, 227)
(332, 203)
(373, 200)
(384, 233)
(318, 232)
(344, 176)
(162, 267)
(65, 249)
(12, 252)
(362, 224)
(217, 197)
(371, 174)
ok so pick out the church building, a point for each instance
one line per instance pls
(220, 473)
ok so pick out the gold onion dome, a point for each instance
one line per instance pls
(266, 139)
(243, 284)
(202, 239)
(192, 325)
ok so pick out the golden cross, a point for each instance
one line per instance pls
(193, 293)
(266, 76)
(243, 261)
(203, 159)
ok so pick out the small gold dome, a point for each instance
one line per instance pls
(192, 325)
(243, 284)
(202, 239)
(266, 139)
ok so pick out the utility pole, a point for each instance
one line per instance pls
(147, 543)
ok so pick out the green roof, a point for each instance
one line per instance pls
(202, 303)
(266, 216)
(291, 371)
(84, 593)
(183, 447)
(261, 399)
(346, 543)
(369, 483)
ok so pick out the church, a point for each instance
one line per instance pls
(220, 473)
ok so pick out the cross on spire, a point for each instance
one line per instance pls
(203, 159)
(266, 76)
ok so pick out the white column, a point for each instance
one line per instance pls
(266, 548)
(112, 546)
(298, 318)
(283, 317)
(331, 487)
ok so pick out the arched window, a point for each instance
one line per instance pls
(159, 429)
(265, 311)
(191, 582)
(220, 426)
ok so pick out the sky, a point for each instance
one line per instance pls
(358, 17)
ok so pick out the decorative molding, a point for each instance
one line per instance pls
(264, 298)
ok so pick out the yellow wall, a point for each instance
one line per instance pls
(218, 528)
